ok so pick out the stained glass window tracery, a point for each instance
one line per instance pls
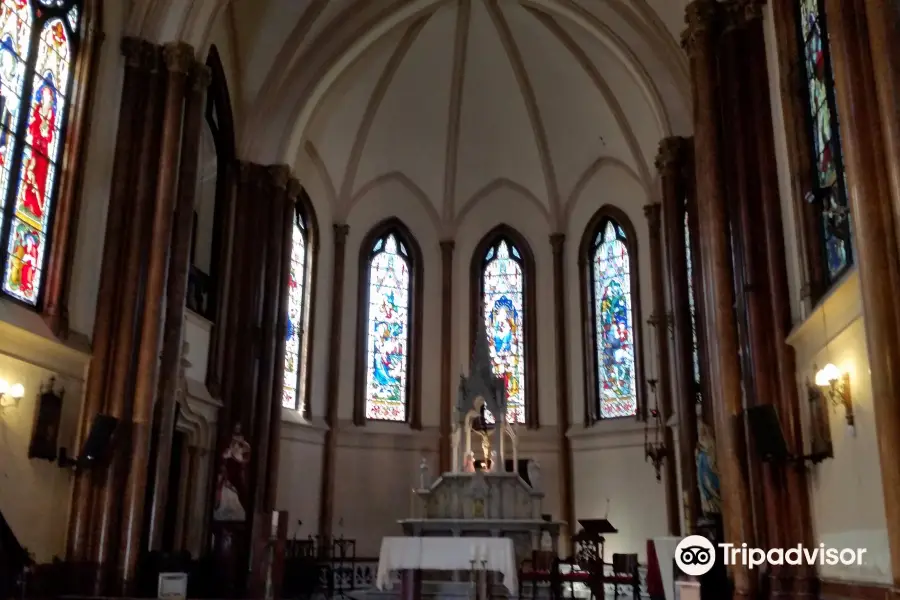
(695, 347)
(388, 337)
(503, 304)
(829, 180)
(611, 295)
(38, 45)
(294, 363)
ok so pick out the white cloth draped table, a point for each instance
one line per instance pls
(447, 554)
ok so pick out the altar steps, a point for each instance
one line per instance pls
(441, 590)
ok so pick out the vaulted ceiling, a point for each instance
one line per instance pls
(454, 97)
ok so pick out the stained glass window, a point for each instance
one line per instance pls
(38, 43)
(695, 347)
(829, 184)
(503, 292)
(613, 322)
(294, 350)
(388, 329)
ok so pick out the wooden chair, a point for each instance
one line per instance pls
(625, 572)
(542, 567)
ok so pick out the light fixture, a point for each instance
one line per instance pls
(836, 387)
(10, 394)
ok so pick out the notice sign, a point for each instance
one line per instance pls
(172, 586)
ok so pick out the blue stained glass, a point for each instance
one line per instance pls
(614, 330)
(695, 348)
(504, 293)
(294, 342)
(387, 343)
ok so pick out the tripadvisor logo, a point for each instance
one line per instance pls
(695, 555)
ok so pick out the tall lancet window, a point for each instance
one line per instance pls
(297, 318)
(38, 44)
(505, 304)
(695, 346)
(389, 299)
(828, 189)
(612, 293)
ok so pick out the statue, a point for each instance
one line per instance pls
(469, 465)
(424, 480)
(534, 474)
(707, 473)
(455, 438)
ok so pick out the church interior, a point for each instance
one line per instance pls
(273, 270)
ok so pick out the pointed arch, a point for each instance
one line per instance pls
(389, 333)
(48, 55)
(301, 307)
(611, 316)
(503, 294)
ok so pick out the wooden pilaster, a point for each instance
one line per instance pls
(326, 497)
(717, 276)
(447, 409)
(170, 368)
(178, 58)
(560, 323)
(664, 385)
(117, 219)
(875, 237)
(670, 162)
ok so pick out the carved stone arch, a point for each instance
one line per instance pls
(617, 216)
(506, 233)
(396, 227)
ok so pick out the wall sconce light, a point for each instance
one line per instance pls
(836, 387)
(10, 395)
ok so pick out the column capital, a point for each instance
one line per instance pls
(179, 57)
(447, 247)
(341, 230)
(294, 188)
(701, 17)
(670, 156)
(653, 212)
(201, 77)
(132, 49)
(557, 241)
(250, 173)
(279, 175)
(752, 9)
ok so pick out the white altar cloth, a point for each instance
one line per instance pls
(665, 555)
(447, 554)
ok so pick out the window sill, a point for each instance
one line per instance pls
(832, 315)
(25, 336)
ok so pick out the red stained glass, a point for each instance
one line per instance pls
(34, 77)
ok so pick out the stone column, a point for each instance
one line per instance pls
(119, 393)
(447, 407)
(176, 291)
(664, 384)
(560, 323)
(134, 93)
(883, 21)
(326, 497)
(875, 238)
(670, 164)
(178, 57)
(717, 277)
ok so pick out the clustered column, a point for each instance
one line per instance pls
(864, 38)
(255, 316)
(672, 163)
(162, 85)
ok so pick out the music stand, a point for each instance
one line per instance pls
(592, 534)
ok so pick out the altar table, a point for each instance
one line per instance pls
(447, 554)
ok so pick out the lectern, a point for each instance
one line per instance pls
(591, 541)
